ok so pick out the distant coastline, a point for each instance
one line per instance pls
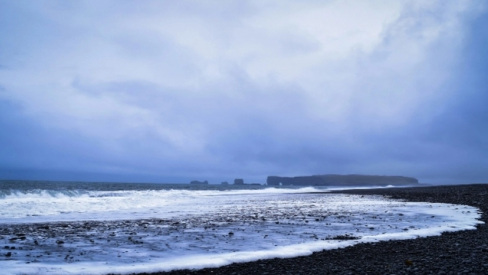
(327, 180)
(340, 180)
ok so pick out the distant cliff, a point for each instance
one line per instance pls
(340, 180)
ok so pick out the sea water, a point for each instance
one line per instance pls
(97, 228)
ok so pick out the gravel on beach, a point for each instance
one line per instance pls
(462, 252)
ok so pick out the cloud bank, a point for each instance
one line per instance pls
(159, 91)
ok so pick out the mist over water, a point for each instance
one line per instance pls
(163, 227)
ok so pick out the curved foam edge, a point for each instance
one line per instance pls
(466, 219)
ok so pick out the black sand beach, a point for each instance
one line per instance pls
(463, 252)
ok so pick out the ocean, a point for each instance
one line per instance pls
(100, 228)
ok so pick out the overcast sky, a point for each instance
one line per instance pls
(170, 91)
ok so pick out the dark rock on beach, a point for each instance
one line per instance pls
(462, 252)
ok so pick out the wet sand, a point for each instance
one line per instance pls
(462, 252)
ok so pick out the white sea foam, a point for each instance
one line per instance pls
(42, 205)
(210, 228)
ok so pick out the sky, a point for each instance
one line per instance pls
(173, 91)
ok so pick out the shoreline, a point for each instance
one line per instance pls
(450, 253)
